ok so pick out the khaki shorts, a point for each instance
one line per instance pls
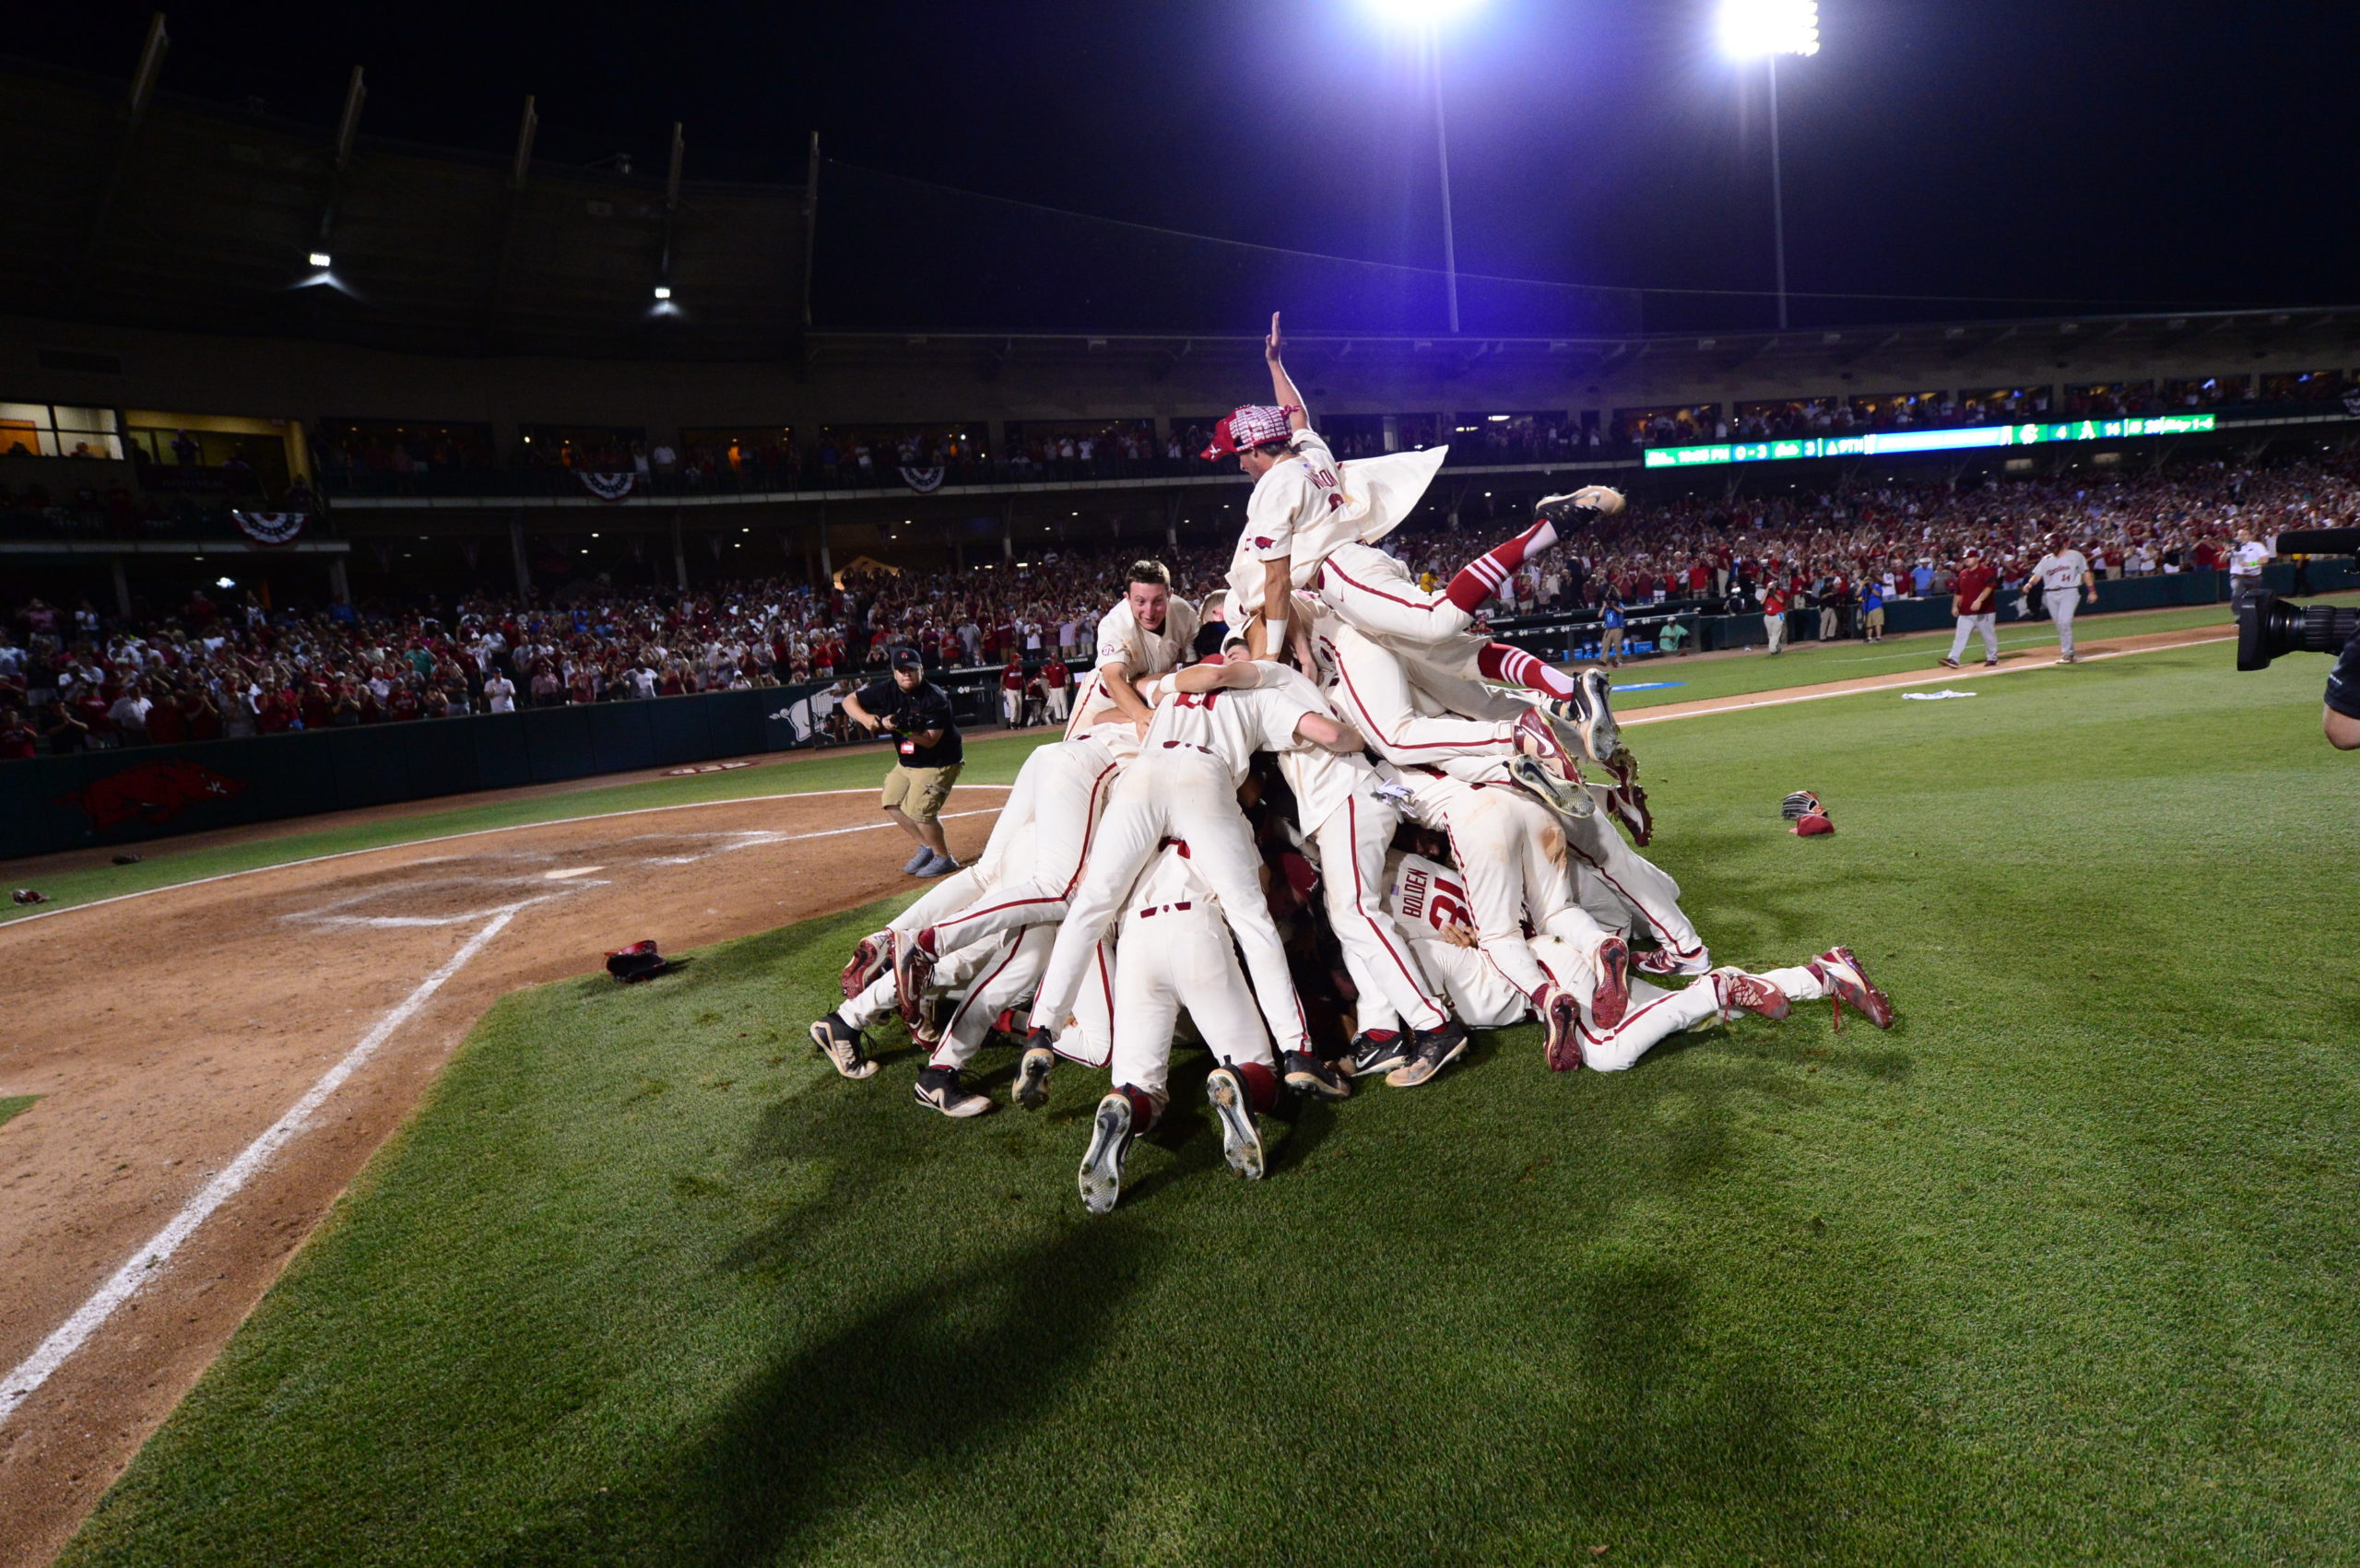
(920, 792)
(1874, 619)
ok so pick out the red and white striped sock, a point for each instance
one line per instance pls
(1481, 577)
(1500, 662)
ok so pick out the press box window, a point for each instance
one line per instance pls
(55, 430)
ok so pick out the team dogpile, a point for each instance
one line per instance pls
(1322, 796)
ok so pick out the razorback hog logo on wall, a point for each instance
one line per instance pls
(153, 792)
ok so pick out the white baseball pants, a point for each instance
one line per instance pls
(1374, 689)
(1987, 624)
(1010, 971)
(1352, 846)
(1185, 796)
(1637, 883)
(1058, 697)
(1063, 789)
(2062, 603)
(1376, 594)
(1172, 957)
(1656, 1013)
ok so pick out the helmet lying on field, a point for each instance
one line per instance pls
(638, 961)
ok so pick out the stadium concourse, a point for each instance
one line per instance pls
(78, 678)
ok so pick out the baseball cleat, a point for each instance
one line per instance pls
(942, 1089)
(1379, 1052)
(1102, 1163)
(1949, 663)
(932, 1016)
(1569, 800)
(840, 1043)
(1306, 1074)
(1743, 993)
(1990, 664)
(912, 967)
(1436, 1051)
(1590, 712)
(868, 962)
(1241, 1141)
(1611, 998)
(1032, 1077)
(1846, 981)
(1547, 738)
(1585, 505)
(1561, 1030)
(1663, 960)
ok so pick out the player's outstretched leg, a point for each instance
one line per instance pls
(1554, 518)
(1236, 1091)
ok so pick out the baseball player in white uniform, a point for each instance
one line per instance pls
(2064, 575)
(1175, 952)
(1571, 1039)
(1184, 787)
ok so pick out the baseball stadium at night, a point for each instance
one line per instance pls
(1389, 781)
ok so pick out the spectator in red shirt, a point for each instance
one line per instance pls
(16, 738)
(1972, 594)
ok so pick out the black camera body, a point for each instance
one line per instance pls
(2268, 626)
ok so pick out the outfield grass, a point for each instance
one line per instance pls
(2061, 1268)
(993, 761)
(1810, 663)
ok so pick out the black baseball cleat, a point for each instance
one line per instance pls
(868, 962)
(1379, 1052)
(1306, 1074)
(840, 1043)
(942, 1089)
(1102, 1163)
(1032, 1077)
(1436, 1050)
(1590, 712)
(1241, 1141)
(912, 967)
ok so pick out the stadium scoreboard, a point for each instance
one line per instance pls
(1886, 444)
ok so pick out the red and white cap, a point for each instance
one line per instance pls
(1249, 426)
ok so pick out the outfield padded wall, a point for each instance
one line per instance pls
(99, 798)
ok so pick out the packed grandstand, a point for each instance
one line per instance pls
(224, 665)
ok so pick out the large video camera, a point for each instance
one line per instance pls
(2268, 626)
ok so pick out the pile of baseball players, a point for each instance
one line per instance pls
(1323, 797)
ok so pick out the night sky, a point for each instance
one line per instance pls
(2034, 157)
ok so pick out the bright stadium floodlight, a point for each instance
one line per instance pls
(1427, 17)
(1753, 29)
(663, 291)
(1764, 29)
(322, 260)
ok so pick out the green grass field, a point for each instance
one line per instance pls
(2058, 1269)
(15, 1105)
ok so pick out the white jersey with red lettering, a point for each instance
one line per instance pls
(1232, 725)
(1306, 506)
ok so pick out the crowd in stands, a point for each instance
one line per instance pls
(71, 677)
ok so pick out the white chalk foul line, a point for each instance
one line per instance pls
(1645, 716)
(76, 1330)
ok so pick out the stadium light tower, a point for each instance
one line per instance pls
(1427, 17)
(1765, 30)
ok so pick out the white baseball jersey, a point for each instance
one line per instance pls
(1123, 641)
(2062, 570)
(1308, 506)
(1230, 725)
